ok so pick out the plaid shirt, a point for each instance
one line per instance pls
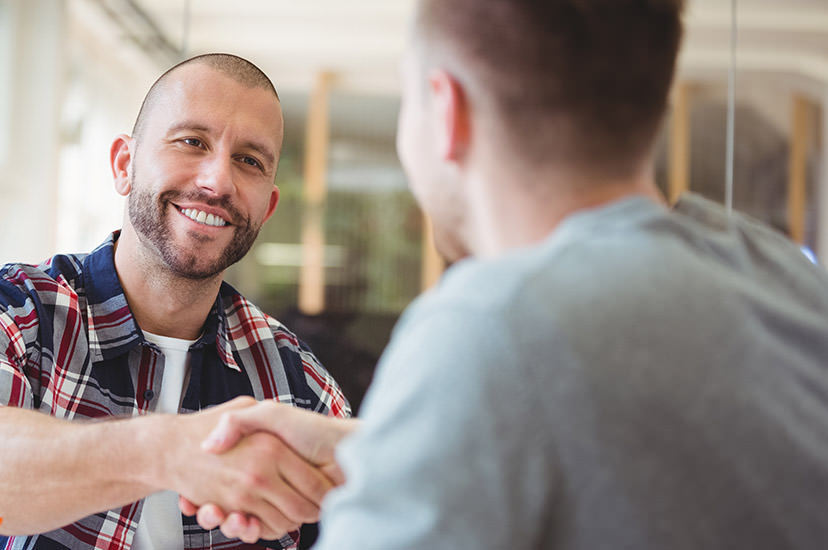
(70, 348)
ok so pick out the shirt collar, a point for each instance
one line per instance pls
(112, 330)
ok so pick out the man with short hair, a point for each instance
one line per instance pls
(596, 370)
(145, 324)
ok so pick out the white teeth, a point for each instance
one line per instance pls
(203, 217)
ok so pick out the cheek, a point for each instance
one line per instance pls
(257, 203)
(158, 170)
(413, 154)
(409, 128)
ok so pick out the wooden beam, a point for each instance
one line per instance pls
(798, 167)
(433, 264)
(317, 137)
(679, 157)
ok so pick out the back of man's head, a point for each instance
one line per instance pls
(578, 83)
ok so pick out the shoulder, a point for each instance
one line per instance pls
(246, 321)
(58, 275)
(276, 356)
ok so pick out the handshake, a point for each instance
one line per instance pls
(261, 471)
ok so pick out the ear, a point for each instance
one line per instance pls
(274, 200)
(120, 159)
(452, 114)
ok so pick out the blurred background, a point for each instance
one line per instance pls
(348, 248)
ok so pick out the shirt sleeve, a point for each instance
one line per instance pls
(312, 386)
(446, 456)
(15, 389)
(331, 400)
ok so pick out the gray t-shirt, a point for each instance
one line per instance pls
(643, 379)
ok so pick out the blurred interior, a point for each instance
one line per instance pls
(348, 248)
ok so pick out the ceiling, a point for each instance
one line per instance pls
(361, 41)
(772, 37)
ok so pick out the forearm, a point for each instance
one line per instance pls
(54, 472)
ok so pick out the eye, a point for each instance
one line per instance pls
(194, 142)
(251, 161)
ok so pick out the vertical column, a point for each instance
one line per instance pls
(822, 186)
(7, 35)
(679, 179)
(798, 167)
(433, 264)
(312, 271)
(33, 62)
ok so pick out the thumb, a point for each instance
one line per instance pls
(234, 425)
(225, 435)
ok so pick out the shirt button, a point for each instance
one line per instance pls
(148, 395)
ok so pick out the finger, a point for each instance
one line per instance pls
(334, 473)
(282, 489)
(187, 508)
(267, 534)
(273, 524)
(210, 516)
(254, 531)
(241, 526)
(309, 485)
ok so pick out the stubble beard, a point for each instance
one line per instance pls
(149, 217)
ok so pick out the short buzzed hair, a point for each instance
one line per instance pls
(239, 69)
(581, 83)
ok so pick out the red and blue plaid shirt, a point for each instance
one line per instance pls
(70, 348)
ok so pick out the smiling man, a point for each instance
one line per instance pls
(145, 324)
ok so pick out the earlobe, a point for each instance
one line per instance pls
(452, 115)
(120, 159)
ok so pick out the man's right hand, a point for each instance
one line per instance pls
(312, 435)
(260, 476)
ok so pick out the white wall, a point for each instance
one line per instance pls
(70, 83)
(31, 69)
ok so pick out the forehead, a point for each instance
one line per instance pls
(200, 93)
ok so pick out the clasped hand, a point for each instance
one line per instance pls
(277, 464)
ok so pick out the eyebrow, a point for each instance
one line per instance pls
(269, 156)
(186, 125)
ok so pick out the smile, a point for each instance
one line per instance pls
(203, 217)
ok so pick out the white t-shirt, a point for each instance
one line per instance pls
(160, 526)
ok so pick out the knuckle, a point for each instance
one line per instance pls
(300, 511)
(316, 487)
(280, 529)
(251, 481)
(268, 440)
(242, 500)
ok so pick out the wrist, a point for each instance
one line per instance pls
(156, 450)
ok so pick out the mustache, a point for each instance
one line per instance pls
(236, 217)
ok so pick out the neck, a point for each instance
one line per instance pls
(502, 221)
(160, 301)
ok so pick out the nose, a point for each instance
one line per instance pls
(215, 175)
